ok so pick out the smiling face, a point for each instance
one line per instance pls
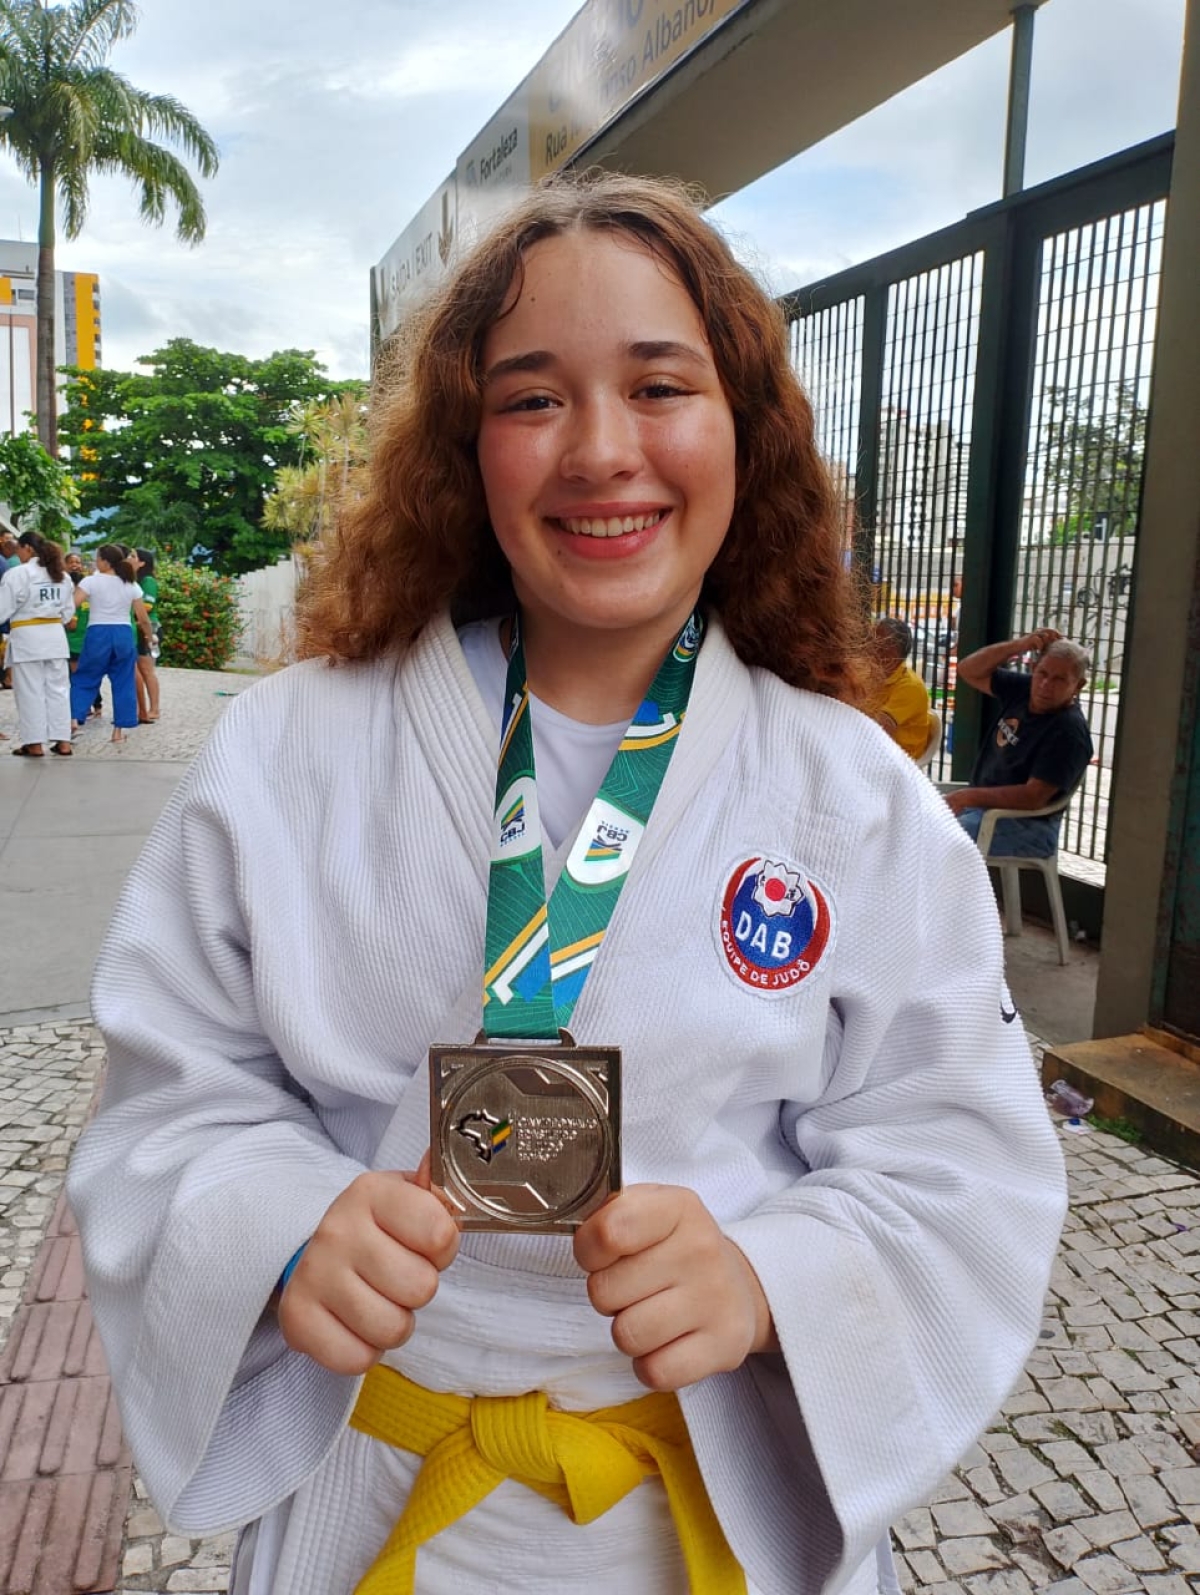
(1054, 684)
(606, 443)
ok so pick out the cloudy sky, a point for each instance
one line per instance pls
(337, 122)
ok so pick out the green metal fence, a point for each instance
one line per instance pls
(982, 398)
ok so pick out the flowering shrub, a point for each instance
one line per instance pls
(197, 610)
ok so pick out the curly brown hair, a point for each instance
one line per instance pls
(419, 540)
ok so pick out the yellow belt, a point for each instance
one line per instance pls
(37, 620)
(585, 1462)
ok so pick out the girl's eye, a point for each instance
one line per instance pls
(528, 402)
(661, 390)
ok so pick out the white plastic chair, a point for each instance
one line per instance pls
(925, 758)
(1010, 867)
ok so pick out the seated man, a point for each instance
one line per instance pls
(902, 708)
(1038, 747)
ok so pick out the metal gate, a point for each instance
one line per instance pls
(982, 397)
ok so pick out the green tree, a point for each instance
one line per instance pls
(188, 449)
(72, 116)
(1093, 444)
(36, 488)
(149, 519)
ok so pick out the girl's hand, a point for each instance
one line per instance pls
(372, 1264)
(684, 1300)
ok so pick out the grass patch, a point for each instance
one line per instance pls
(1124, 1129)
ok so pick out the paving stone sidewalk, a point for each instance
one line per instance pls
(1088, 1484)
(192, 702)
(66, 1486)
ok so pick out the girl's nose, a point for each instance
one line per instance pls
(602, 441)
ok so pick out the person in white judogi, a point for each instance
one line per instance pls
(37, 599)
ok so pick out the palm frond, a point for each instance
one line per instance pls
(74, 197)
(159, 176)
(19, 132)
(93, 27)
(165, 117)
(20, 31)
(115, 101)
(69, 120)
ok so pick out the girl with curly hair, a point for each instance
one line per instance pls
(729, 1232)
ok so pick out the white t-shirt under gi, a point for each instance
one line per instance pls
(571, 758)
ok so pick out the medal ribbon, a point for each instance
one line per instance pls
(537, 954)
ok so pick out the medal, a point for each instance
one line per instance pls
(525, 1124)
(526, 1134)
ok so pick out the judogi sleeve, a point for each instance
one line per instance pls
(203, 1172)
(13, 588)
(906, 1266)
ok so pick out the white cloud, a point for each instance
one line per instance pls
(425, 69)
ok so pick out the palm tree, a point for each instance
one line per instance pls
(69, 116)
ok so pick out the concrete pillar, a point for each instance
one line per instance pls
(1019, 74)
(1166, 561)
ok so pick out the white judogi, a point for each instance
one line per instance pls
(308, 916)
(37, 609)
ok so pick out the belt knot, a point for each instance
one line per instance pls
(512, 1435)
(579, 1462)
(583, 1461)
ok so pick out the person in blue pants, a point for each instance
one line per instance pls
(109, 648)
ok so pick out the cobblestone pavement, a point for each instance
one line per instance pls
(1088, 1483)
(192, 701)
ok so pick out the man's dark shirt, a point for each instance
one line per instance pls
(1022, 746)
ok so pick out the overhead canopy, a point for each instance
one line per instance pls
(780, 75)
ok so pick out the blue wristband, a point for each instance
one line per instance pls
(291, 1267)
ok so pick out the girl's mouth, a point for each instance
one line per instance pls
(608, 526)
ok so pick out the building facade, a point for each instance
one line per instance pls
(76, 329)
